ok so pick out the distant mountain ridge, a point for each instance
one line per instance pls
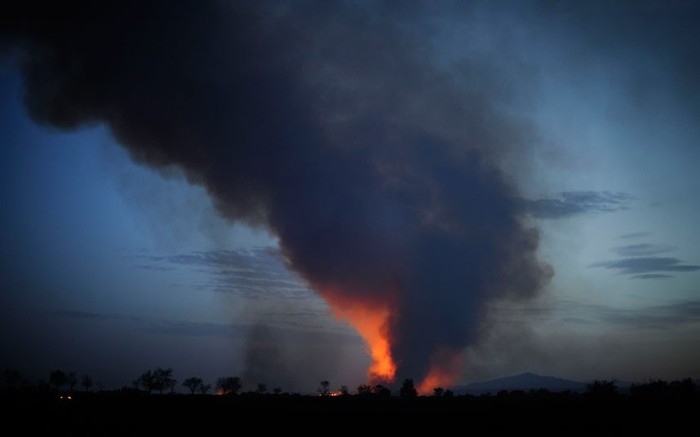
(524, 381)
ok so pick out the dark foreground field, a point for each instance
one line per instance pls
(140, 414)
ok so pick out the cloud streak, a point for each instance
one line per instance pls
(571, 203)
(576, 313)
(256, 273)
(642, 249)
(183, 328)
(633, 235)
(649, 267)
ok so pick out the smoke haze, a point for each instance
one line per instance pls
(328, 123)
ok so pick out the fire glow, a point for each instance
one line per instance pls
(371, 319)
(444, 370)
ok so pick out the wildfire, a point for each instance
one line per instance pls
(370, 318)
(444, 370)
(370, 321)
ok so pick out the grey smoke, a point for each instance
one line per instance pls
(329, 123)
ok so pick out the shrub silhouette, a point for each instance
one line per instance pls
(159, 379)
(602, 388)
(193, 384)
(408, 390)
(324, 391)
(228, 385)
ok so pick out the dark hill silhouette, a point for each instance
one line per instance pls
(524, 381)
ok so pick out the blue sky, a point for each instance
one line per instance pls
(113, 267)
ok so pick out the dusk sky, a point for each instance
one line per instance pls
(234, 188)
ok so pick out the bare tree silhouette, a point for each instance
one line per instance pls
(71, 380)
(324, 391)
(602, 388)
(228, 385)
(86, 383)
(58, 379)
(11, 378)
(193, 384)
(204, 388)
(364, 389)
(159, 379)
(145, 381)
(408, 390)
(381, 391)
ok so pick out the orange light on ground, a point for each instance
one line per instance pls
(445, 369)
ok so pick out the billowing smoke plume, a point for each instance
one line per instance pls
(328, 123)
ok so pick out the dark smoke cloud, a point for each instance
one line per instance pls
(326, 122)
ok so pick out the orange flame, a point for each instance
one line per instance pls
(444, 370)
(369, 318)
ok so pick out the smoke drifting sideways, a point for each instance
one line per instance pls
(328, 123)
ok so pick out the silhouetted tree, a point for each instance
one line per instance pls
(685, 387)
(146, 381)
(164, 379)
(324, 391)
(660, 388)
(344, 390)
(381, 391)
(602, 388)
(71, 380)
(277, 390)
(438, 391)
(364, 389)
(448, 393)
(262, 388)
(651, 388)
(86, 382)
(204, 388)
(228, 385)
(159, 379)
(58, 379)
(408, 390)
(11, 378)
(193, 384)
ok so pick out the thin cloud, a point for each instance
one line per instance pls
(154, 268)
(656, 317)
(651, 276)
(257, 273)
(194, 329)
(282, 326)
(647, 267)
(88, 315)
(643, 249)
(633, 235)
(577, 313)
(570, 203)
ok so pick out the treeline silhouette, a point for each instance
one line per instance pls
(68, 404)
(161, 381)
